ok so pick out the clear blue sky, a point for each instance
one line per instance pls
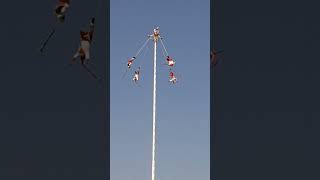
(183, 110)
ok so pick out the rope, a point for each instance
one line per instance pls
(163, 53)
(47, 40)
(54, 23)
(144, 55)
(164, 46)
(145, 43)
(140, 50)
(140, 63)
(90, 72)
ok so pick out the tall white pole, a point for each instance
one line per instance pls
(154, 109)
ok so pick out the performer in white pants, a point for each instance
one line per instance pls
(84, 49)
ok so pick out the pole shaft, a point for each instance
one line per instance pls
(154, 110)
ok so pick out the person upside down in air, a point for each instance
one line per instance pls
(84, 48)
(170, 61)
(61, 9)
(172, 78)
(136, 75)
(130, 62)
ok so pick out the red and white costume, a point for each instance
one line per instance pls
(84, 48)
(172, 78)
(136, 75)
(170, 61)
(130, 62)
(61, 9)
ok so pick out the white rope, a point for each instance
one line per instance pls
(145, 43)
(144, 56)
(164, 46)
(163, 53)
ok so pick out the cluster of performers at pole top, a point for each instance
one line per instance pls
(83, 52)
(169, 61)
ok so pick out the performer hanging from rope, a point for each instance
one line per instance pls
(170, 61)
(130, 62)
(214, 57)
(60, 12)
(136, 75)
(172, 78)
(61, 8)
(84, 48)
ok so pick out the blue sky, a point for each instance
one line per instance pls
(183, 110)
